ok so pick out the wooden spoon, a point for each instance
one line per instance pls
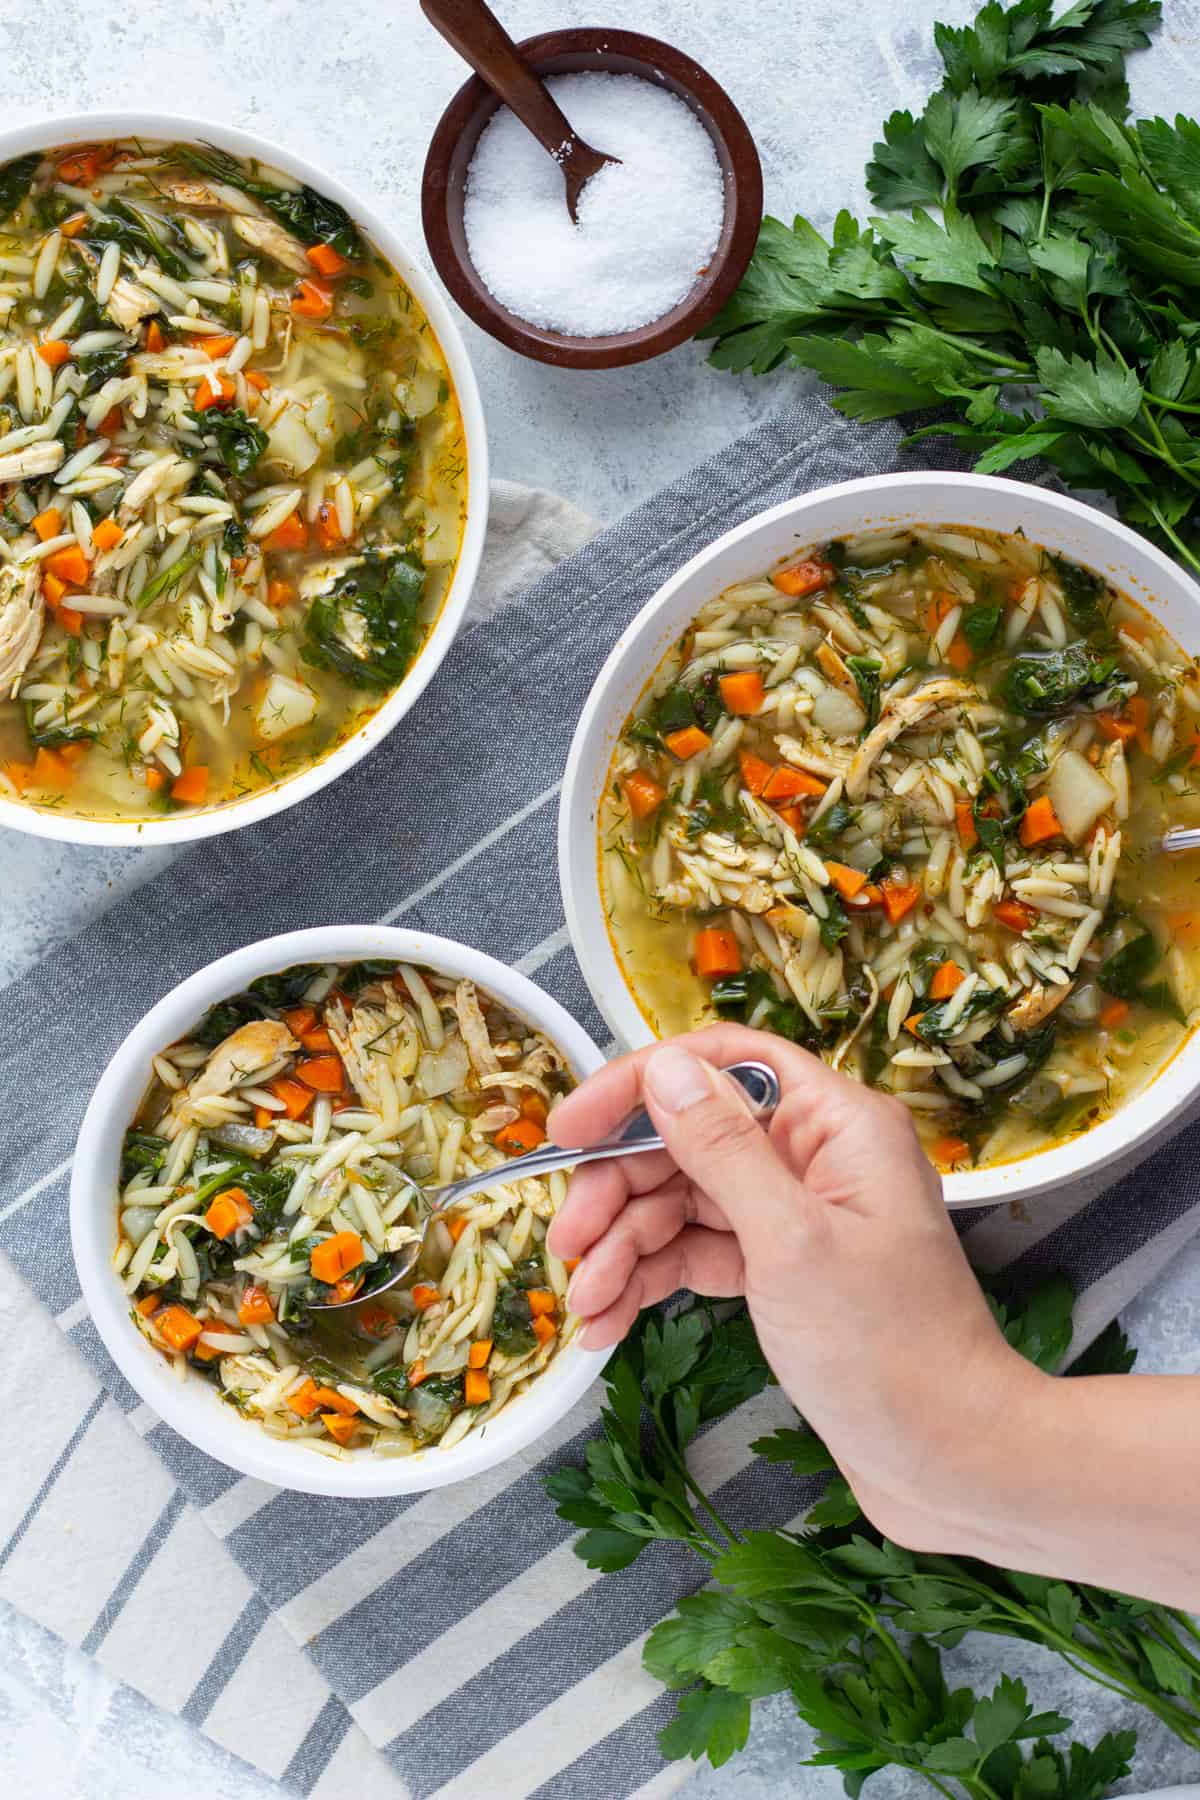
(473, 29)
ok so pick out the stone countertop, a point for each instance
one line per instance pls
(359, 95)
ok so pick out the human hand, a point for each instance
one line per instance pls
(830, 1221)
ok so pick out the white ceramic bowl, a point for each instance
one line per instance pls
(1077, 531)
(192, 1406)
(42, 134)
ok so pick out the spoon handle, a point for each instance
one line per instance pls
(473, 29)
(758, 1081)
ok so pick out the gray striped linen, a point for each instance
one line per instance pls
(457, 1628)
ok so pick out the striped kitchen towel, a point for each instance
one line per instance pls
(457, 1629)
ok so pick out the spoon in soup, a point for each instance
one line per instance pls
(472, 29)
(1180, 838)
(758, 1081)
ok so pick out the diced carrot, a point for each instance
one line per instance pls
(375, 1320)
(149, 1303)
(1137, 711)
(336, 1256)
(178, 1326)
(264, 1118)
(48, 524)
(899, 898)
(456, 1225)
(948, 1152)
(744, 692)
(70, 565)
(1184, 927)
(296, 1099)
(338, 1403)
(687, 743)
(543, 1328)
(214, 392)
(53, 591)
(340, 1429)
(945, 981)
(755, 772)
(1113, 1013)
(715, 953)
(257, 380)
(300, 1019)
(254, 1307)
(206, 1353)
(846, 880)
(425, 1295)
(214, 343)
(519, 1137)
(304, 1401)
(111, 424)
(230, 1210)
(912, 1022)
(1115, 726)
(312, 300)
(191, 786)
(155, 341)
(542, 1302)
(81, 168)
(941, 604)
(417, 1372)
(324, 1073)
(51, 769)
(72, 227)
(793, 817)
(643, 794)
(964, 819)
(317, 1040)
(326, 260)
(804, 578)
(54, 352)
(71, 620)
(477, 1389)
(1014, 914)
(326, 526)
(280, 593)
(477, 1355)
(107, 534)
(1039, 822)
(959, 655)
(786, 783)
(535, 1108)
(346, 1288)
(291, 535)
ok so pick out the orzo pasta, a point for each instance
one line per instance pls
(900, 802)
(232, 478)
(270, 1169)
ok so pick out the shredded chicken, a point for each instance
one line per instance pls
(367, 1038)
(129, 302)
(898, 717)
(41, 458)
(1037, 1004)
(243, 1056)
(21, 616)
(833, 667)
(208, 196)
(273, 241)
(474, 1029)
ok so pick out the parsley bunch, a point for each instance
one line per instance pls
(846, 1623)
(1051, 299)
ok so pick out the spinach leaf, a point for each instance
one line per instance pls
(311, 216)
(981, 626)
(991, 835)
(359, 975)
(1082, 591)
(267, 1190)
(375, 604)
(287, 987)
(847, 592)
(1125, 974)
(866, 672)
(512, 1321)
(739, 996)
(829, 827)
(932, 1027)
(52, 736)
(131, 228)
(99, 366)
(239, 441)
(142, 1151)
(16, 179)
(234, 538)
(710, 811)
(1050, 681)
(834, 926)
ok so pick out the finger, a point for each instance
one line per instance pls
(638, 1230)
(607, 1098)
(708, 1262)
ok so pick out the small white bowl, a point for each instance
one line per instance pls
(192, 1406)
(875, 502)
(90, 128)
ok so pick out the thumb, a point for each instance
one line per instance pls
(705, 1122)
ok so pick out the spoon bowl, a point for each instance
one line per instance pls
(594, 50)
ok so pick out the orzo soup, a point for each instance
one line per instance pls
(899, 801)
(232, 478)
(270, 1169)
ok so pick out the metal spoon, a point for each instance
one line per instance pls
(1179, 838)
(472, 29)
(758, 1081)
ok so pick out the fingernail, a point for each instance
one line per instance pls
(677, 1079)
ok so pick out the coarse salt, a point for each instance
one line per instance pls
(647, 227)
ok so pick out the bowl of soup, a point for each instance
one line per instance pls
(259, 1147)
(885, 771)
(243, 472)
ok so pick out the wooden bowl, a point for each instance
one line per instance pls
(591, 49)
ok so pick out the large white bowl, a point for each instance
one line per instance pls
(43, 134)
(192, 1406)
(877, 501)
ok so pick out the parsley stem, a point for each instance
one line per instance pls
(693, 1486)
(1184, 406)
(1169, 531)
